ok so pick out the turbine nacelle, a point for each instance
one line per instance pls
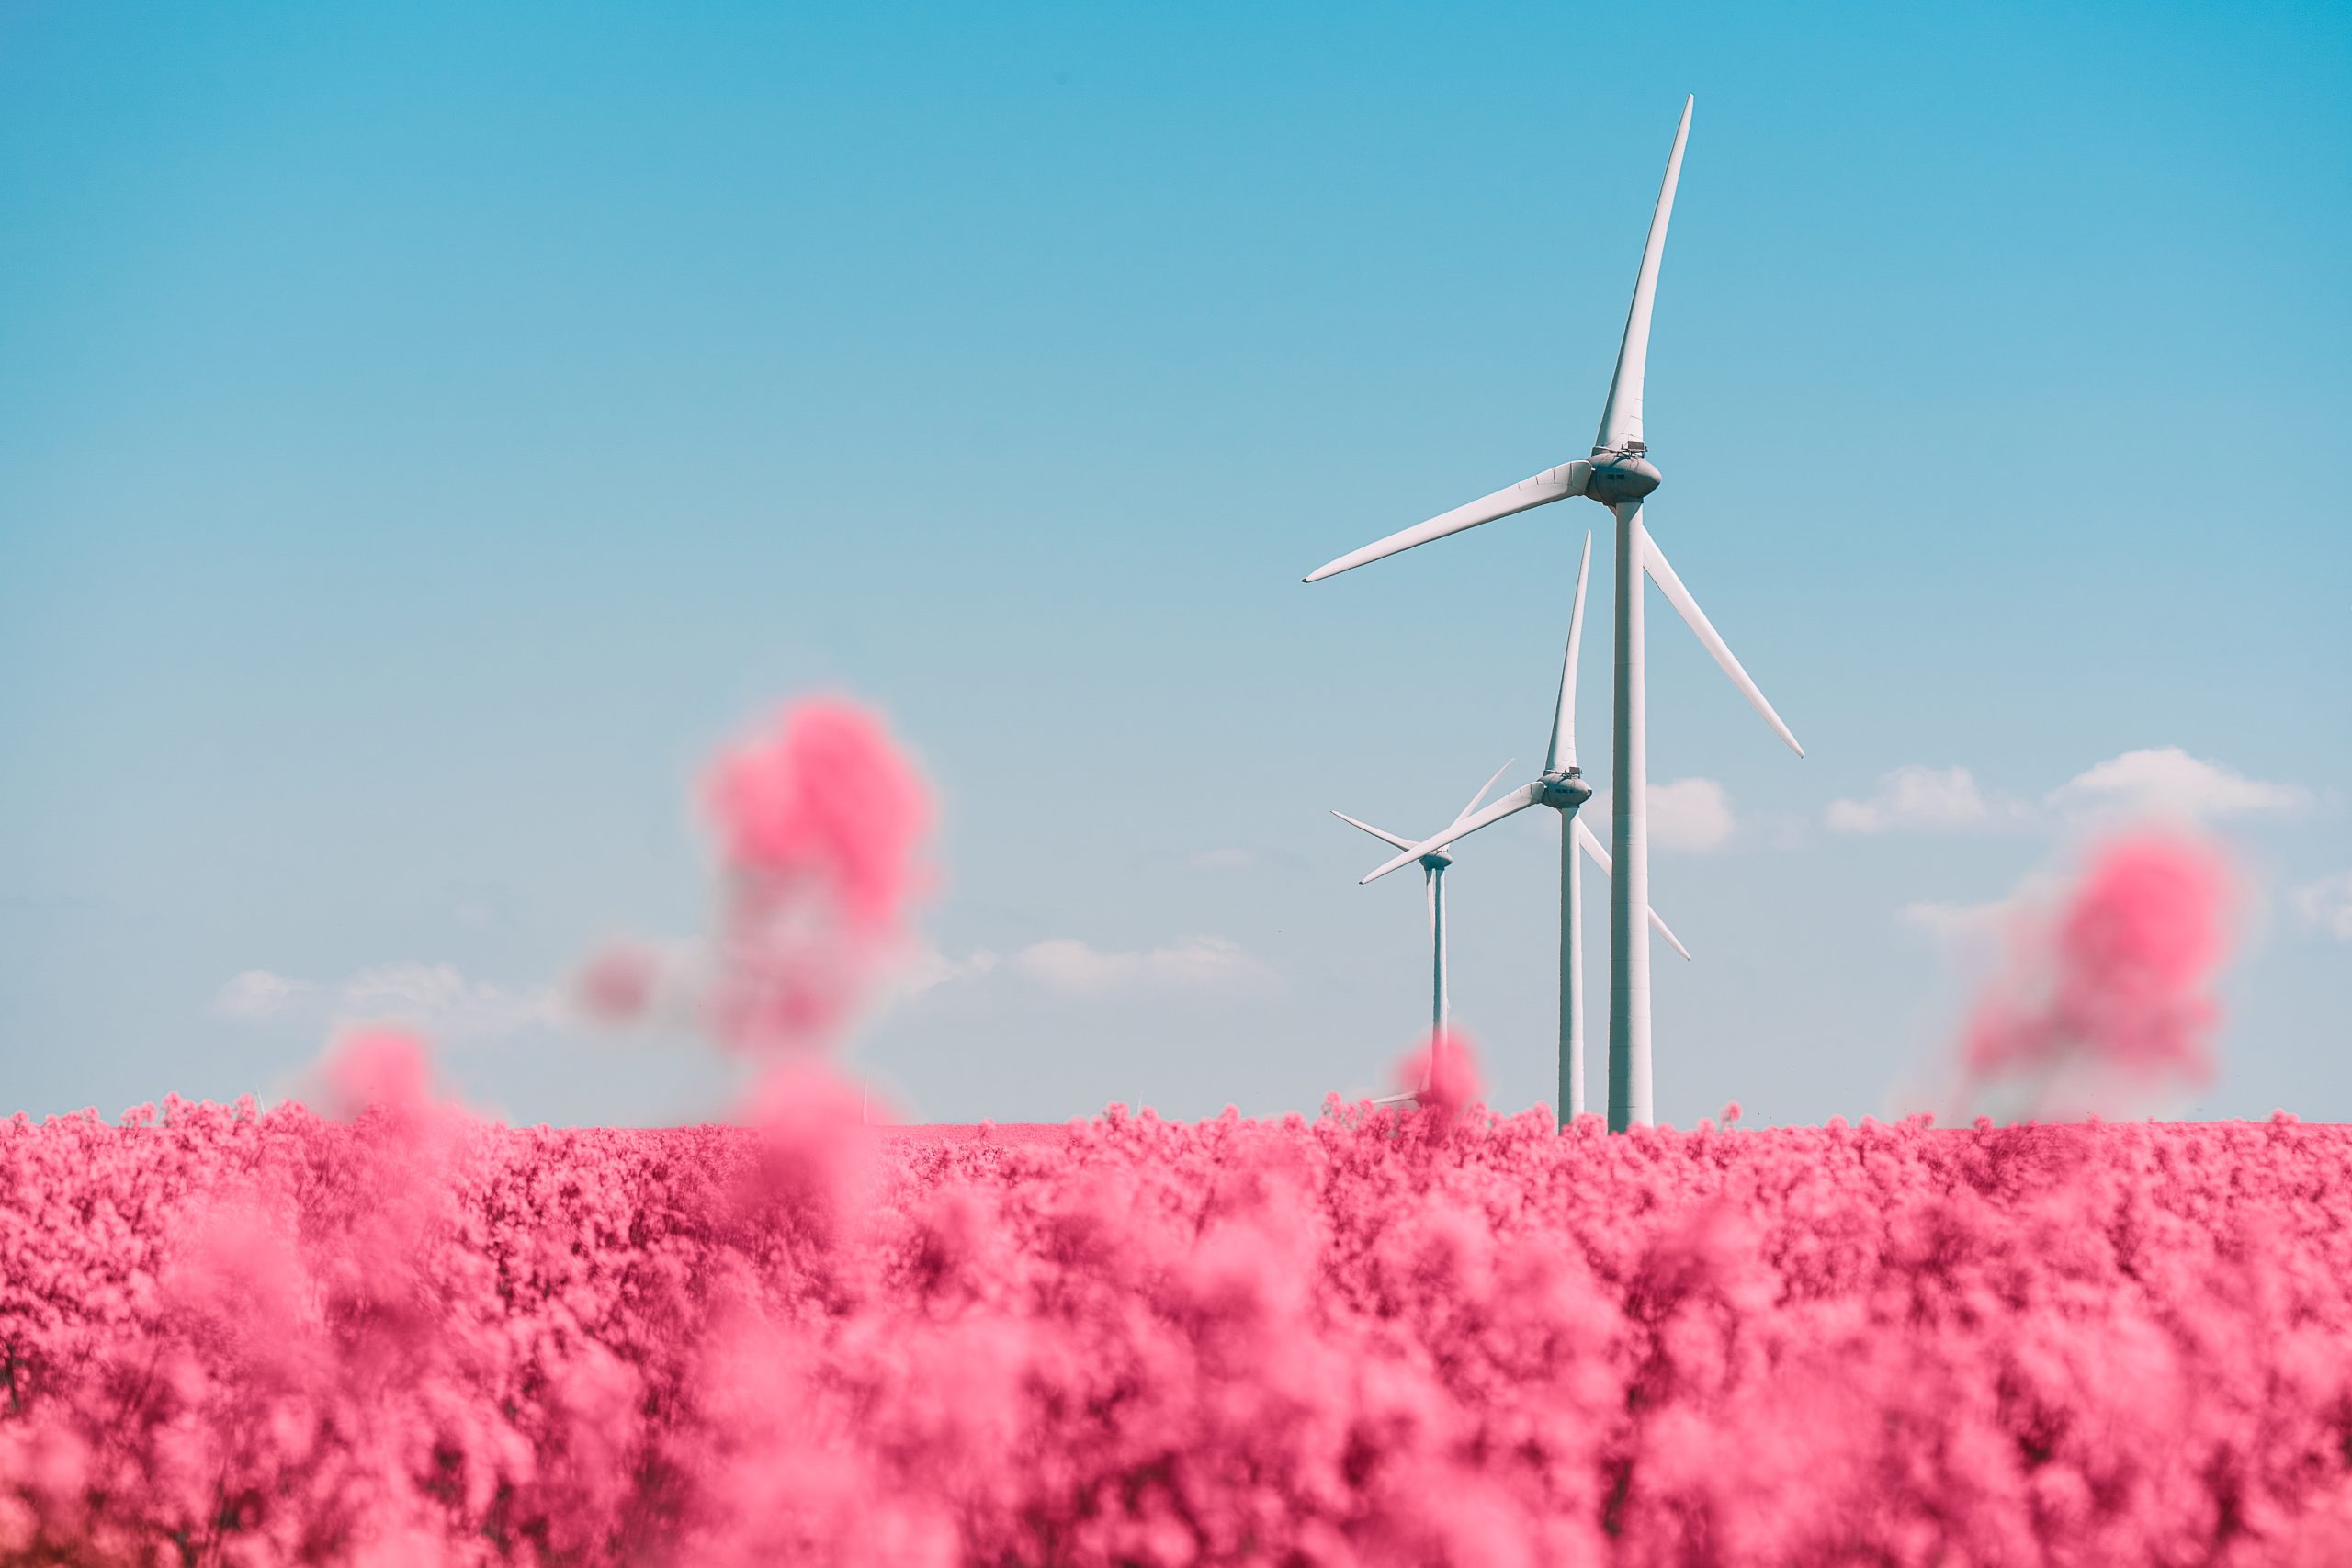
(1565, 790)
(1619, 478)
(1436, 860)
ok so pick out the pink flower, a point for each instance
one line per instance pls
(819, 822)
(377, 1066)
(2120, 975)
(825, 799)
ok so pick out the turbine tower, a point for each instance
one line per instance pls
(1433, 864)
(1620, 476)
(1562, 787)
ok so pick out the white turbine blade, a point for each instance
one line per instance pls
(1563, 712)
(1376, 832)
(1519, 799)
(1473, 799)
(1671, 940)
(1593, 847)
(1600, 858)
(1552, 484)
(1621, 420)
(1679, 597)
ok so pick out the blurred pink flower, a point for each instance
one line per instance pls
(1444, 1073)
(2119, 975)
(617, 983)
(818, 823)
(377, 1066)
(825, 798)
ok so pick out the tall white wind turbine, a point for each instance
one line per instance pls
(1433, 866)
(1619, 475)
(1562, 787)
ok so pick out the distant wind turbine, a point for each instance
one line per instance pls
(1562, 787)
(1619, 475)
(1433, 864)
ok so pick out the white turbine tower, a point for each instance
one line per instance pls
(1562, 787)
(1618, 476)
(1433, 864)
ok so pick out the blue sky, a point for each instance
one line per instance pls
(425, 433)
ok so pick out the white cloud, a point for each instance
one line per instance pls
(435, 997)
(257, 993)
(1221, 860)
(2326, 905)
(1686, 814)
(1924, 799)
(1072, 967)
(2168, 780)
(2163, 779)
(439, 1000)
(1204, 963)
(927, 969)
(1957, 923)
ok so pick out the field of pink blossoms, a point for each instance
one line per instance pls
(1381, 1337)
(403, 1335)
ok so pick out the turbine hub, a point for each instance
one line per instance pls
(1436, 860)
(1565, 790)
(1621, 477)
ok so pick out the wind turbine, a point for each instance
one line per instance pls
(1562, 787)
(1433, 864)
(1619, 475)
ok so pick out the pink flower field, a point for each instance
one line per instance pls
(404, 1334)
(1418, 1337)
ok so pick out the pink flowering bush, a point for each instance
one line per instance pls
(416, 1337)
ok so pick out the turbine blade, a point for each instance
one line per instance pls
(1679, 597)
(1621, 419)
(1593, 847)
(1376, 832)
(1552, 484)
(1473, 799)
(1496, 811)
(1563, 753)
(1671, 940)
(1600, 858)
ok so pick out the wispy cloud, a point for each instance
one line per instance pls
(438, 999)
(1685, 814)
(929, 969)
(2167, 780)
(2159, 780)
(1197, 964)
(1962, 924)
(2326, 905)
(1069, 966)
(1924, 799)
(442, 999)
(259, 993)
